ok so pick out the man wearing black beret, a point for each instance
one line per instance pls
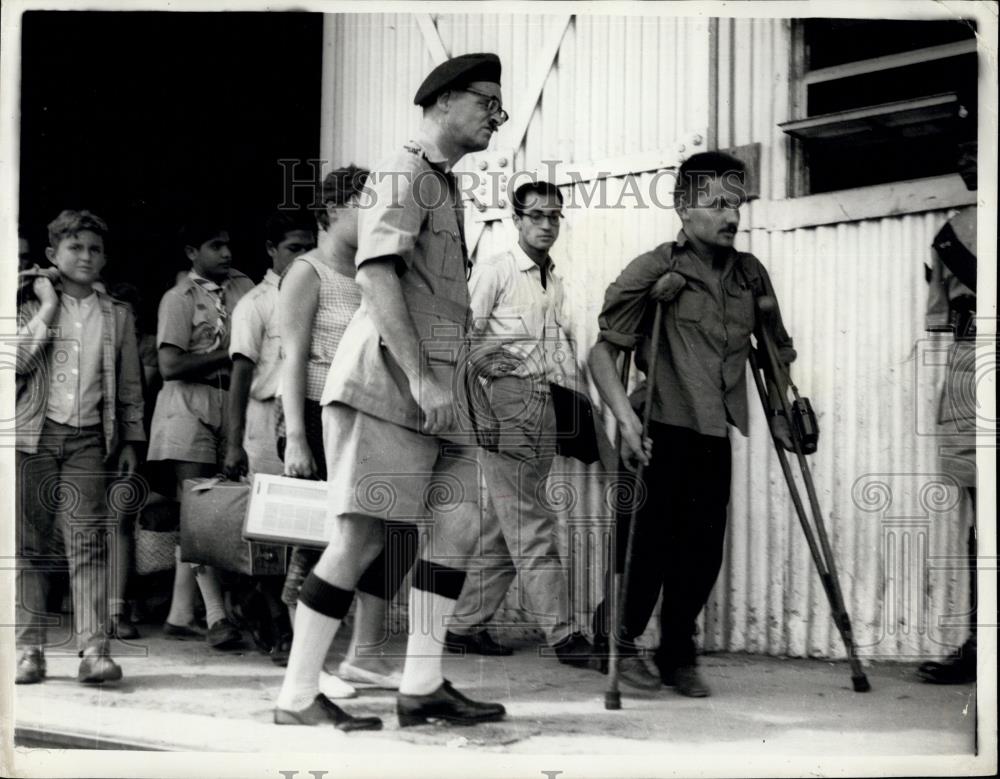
(394, 442)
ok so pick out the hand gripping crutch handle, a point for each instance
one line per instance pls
(612, 696)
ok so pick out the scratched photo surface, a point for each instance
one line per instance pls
(515, 390)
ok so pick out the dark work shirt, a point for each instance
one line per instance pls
(705, 337)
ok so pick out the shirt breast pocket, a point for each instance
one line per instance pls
(690, 304)
(740, 313)
(446, 257)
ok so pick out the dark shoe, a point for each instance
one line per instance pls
(280, 651)
(448, 704)
(574, 650)
(632, 670)
(957, 668)
(97, 667)
(321, 710)
(686, 681)
(480, 643)
(123, 629)
(223, 635)
(183, 632)
(31, 666)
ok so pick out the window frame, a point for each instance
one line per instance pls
(801, 78)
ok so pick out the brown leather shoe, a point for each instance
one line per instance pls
(633, 670)
(957, 668)
(97, 667)
(223, 635)
(31, 666)
(323, 710)
(122, 628)
(687, 681)
(448, 704)
(480, 643)
(575, 650)
(183, 632)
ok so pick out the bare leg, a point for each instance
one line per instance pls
(368, 641)
(120, 561)
(185, 584)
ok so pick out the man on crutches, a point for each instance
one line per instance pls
(696, 385)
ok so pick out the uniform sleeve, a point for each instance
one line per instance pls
(485, 288)
(247, 337)
(782, 340)
(173, 320)
(626, 298)
(390, 219)
(31, 336)
(130, 409)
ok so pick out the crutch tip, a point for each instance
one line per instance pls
(861, 683)
(612, 700)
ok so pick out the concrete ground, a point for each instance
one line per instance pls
(183, 696)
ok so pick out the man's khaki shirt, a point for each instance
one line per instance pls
(705, 338)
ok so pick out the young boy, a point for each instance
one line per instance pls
(189, 424)
(255, 348)
(79, 417)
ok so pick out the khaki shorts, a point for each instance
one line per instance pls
(189, 423)
(381, 470)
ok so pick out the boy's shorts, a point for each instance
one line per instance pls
(189, 423)
(382, 470)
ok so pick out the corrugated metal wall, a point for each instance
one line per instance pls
(852, 295)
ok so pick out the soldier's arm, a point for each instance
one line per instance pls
(383, 296)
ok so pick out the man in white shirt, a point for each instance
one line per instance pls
(520, 347)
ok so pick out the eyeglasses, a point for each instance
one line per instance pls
(538, 217)
(492, 105)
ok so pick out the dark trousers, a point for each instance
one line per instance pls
(679, 539)
(62, 491)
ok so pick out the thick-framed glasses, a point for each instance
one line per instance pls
(492, 105)
(538, 218)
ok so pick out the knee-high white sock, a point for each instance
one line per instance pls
(313, 634)
(211, 593)
(428, 614)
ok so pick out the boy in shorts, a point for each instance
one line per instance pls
(189, 424)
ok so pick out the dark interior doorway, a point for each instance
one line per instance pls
(144, 117)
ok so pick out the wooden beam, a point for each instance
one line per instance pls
(851, 205)
(473, 236)
(432, 38)
(626, 164)
(525, 107)
(875, 64)
(898, 113)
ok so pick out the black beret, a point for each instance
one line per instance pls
(458, 72)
